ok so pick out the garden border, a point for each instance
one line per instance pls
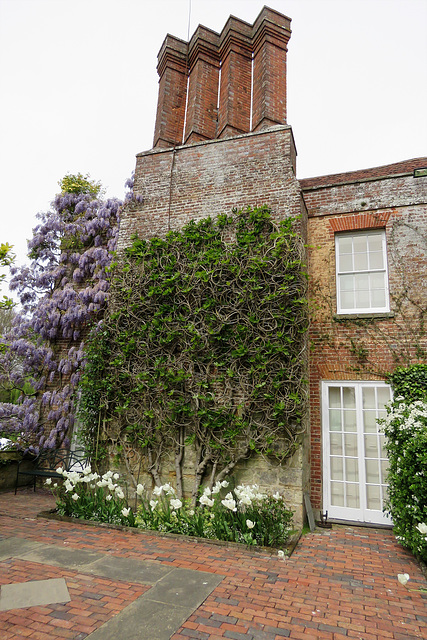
(289, 548)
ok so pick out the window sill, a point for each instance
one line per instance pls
(343, 317)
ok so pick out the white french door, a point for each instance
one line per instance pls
(354, 458)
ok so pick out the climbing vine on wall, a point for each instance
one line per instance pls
(203, 348)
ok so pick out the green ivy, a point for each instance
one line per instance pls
(410, 382)
(204, 345)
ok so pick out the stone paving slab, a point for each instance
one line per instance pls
(34, 593)
(160, 611)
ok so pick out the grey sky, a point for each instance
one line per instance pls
(78, 83)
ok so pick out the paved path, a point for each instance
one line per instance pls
(338, 584)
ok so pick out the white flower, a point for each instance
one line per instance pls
(281, 554)
(191, 512)
(230, 503)
(422, 528)
(403, 578)
(116, 476)
(60, 470)
(48, 481)
(140, 489)
(250, 524)
(157, 491)
(224, 484)
(153, 504)
(206, 501)
(108, 498)
(207, 491)
(168, 489)
(68, 486)
(216, 488)
(55, 485)
(108, 475)
(176, 503)
(102, 483)
(75, 496)
(125, 512)
(276, 495)
(119, 493)
(87, 470)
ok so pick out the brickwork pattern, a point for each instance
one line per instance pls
(337, 584)
(396, 202)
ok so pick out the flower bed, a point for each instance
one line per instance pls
(243, 514)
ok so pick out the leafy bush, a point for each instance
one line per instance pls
(405, 428)
(410, 382)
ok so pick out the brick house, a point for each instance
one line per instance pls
(221, 141)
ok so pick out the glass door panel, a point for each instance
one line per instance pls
(355, 462)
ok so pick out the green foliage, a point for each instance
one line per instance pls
(406, 442)
(410, 382)
(6, 259)
(79, 183)
(204, 343)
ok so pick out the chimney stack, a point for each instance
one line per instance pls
(243, 70)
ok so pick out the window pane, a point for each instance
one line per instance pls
(376, 260)
(368, 394)
(350, 444)
(347, 283)
(372, 471)
(345, 244)
(370, 421)
(352, 496)
(347, 300)
(383, 396)
(350, 423)
(371, 447)
(375, 242)
(336, 468)
(337, 494)
(336, 444)
(351, 470)
(362, 300)
(378, 298)
(373, 497)
(361, 262)
(346, 262)
(360, 244)
(335, 419)
(384, 471)
(334, 397)
(349, 397)
(361, 282)
(377, 280)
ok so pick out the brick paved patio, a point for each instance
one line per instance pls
(338, 583)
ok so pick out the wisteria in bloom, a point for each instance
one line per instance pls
(63, 293)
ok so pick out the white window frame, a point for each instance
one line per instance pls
(368, 271)
(361, 514)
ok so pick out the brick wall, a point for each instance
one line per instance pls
(211, 178)
(385, 197)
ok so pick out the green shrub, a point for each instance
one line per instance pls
(405, 428)
(410, 382)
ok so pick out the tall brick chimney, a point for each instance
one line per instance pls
(236, 81)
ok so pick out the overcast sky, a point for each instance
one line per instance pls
(79, 85)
